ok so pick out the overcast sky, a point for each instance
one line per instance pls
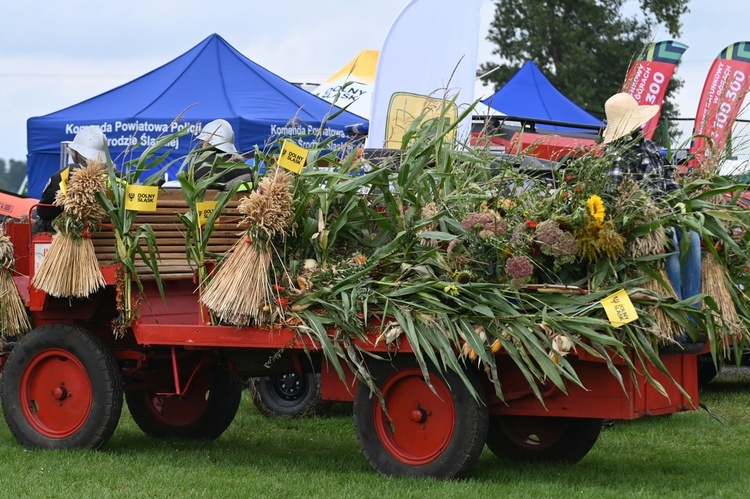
(54, 54)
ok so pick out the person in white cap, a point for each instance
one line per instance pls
(219, 134)
(218, 153)
(639, 159)
(635, 156)
(89, 144)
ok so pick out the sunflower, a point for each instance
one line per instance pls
(596, 208)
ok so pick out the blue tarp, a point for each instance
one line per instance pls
(529, 94)
(212, 80)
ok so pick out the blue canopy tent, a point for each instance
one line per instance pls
(210, 81)
(529, 94)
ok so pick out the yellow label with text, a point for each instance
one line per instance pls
(204, 208)
(293, 157)
(64, 175)
(141, 197)
(619, 308)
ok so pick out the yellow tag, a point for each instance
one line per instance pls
(204, 208)
(64, 175)
(292, 156)
(141, 197)
(619, 308)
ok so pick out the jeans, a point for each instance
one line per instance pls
(685, 274)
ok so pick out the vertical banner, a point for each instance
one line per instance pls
(727, 83)
(431, 49)
(650, 74)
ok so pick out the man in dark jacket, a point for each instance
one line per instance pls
(89, 144)
(217, 137)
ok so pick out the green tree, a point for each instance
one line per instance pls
(12, 174)
(584, 47)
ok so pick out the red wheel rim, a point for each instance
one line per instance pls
(183, 410)
(55, 393)
(535, 433)
(419, 424)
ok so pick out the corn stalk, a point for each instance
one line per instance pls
(130, 237)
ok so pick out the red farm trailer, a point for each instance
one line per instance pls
(64, 382)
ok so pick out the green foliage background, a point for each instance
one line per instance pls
(12, 174)
(584, 47)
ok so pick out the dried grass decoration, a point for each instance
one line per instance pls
(240, 290)
(70, 268)
(714, 284)
(664, 328)
(13, 319)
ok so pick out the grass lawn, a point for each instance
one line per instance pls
(685, 455)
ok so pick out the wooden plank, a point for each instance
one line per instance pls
(170, 236)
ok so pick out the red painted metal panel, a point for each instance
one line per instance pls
(333, 388)
(221, 336)
(20, 235)
(602, 396)
(179, 306)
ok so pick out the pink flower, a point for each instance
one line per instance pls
(567, 244)
(474, 220)
(554, 241)
(519, 269)
(547, 233)
(493, 228)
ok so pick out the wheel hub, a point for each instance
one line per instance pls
(290, 386)
(419, 415)
(60, 393)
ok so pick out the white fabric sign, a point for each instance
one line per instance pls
(431, 49)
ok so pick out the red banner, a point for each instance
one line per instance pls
(721, 100)
(649, 76)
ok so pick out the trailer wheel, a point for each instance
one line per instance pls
(542, 438)
(438, 434)
(61, 389)
(288, 395)
(204, 412)
(707, 370)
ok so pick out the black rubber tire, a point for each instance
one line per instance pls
(707, 370)
(542, 438)
(440, 437)
(204, 413)
(61, 389)
(289, 395)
